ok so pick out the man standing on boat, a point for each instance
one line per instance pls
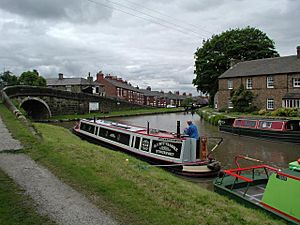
(192, 131)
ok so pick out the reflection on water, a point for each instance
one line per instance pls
(277, 154)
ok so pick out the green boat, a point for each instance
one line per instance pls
(271, 189)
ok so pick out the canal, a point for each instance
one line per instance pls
(277, 154)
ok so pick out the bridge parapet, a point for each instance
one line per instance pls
(60, 102)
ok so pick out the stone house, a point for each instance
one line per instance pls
(118, 88)
(71, 84)
(274, 81)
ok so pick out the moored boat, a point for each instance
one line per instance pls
(271, 189)
(166, 149)
(273, 129)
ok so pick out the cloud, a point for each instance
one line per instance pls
(78, 11)
(79, 36)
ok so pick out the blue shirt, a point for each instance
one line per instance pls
(192, 131)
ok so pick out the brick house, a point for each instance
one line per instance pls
(274, 81)
(116, 87)
(71, 84)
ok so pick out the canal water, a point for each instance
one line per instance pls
(274, 153)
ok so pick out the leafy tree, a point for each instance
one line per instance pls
(187, 101)
(8, 79)
(32, 78)
(213, 58)
(242, 100)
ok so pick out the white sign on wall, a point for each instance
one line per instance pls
(93, 106)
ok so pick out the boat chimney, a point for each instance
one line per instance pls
(178, 128)
(148, 127)
(94, 119)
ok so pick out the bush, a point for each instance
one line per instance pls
(262, 112)
(289, 112)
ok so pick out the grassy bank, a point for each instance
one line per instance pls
(130, 190)
(15, 207)
(134, 112)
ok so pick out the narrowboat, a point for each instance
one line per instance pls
(262, 186)
(172, 151)
(272, 129)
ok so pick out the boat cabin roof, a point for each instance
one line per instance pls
(135, 129)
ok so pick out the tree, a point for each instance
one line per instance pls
(8, 79)
(187, 101)
(32, 78)
(213, 58)
(242, 100)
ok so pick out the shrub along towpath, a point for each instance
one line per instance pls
(130, 190)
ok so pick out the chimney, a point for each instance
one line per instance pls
(184, 94)
(60, 76)
(148, 88)
(298, 52)
(100, 76)
(119, 80)
(190, 94)
(176, 92)
(89, 78)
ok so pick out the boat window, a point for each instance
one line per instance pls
(137, 142)
(87, 127)
(249, 123)
(114, 136)
(265, 124)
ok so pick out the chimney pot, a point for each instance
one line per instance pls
(60, 76)
(298, 52)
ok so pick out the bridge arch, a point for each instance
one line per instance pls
(36, 108)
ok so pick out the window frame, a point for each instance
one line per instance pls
(270, 101)
(270, 84)
(249, 83)
(229, 84)
(296, 80)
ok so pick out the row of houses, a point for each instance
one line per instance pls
(274, 81)
(116, 87)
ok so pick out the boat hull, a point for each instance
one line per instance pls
(200, 169)
(285, 136)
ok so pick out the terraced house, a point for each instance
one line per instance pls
(274, 81)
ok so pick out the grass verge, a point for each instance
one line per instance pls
(15, 207)
(134, 112)
(130, 190)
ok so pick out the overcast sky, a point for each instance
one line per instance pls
(145, 42)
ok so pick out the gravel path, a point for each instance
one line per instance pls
(7, 143)
(59, 201)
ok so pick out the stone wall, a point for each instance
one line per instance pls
(64, 102)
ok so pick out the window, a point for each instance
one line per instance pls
(68, 88)
(230, 105)
(249, 83)
(230, 84)
(270, 82)
(270, 103)
(296, 82)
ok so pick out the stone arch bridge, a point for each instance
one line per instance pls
(42, 102)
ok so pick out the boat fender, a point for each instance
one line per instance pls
(215, 166)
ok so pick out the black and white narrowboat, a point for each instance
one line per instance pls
(269, 128)
(166, 149)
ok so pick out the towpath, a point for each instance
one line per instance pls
(59, 201)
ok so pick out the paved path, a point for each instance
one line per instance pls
(59, 201)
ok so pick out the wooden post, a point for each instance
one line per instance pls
(203, 148)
